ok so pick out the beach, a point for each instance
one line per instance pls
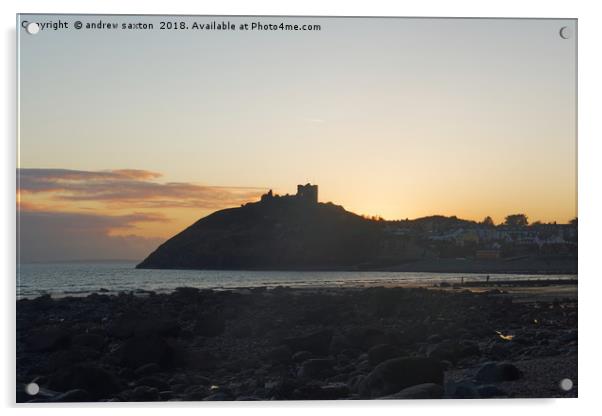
(444, 340)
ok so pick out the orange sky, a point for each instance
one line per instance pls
(400, 118)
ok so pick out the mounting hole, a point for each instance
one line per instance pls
(565, 32)
(32, 389)
(566, 384)
(32, 28)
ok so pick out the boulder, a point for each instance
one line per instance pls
(366, 337)
(155, 381)
(280, 354)
(313, 391)
(134, 324)
(316, 368)
(463, 389)
(147, 369)
(139, 351)
(97, 381)
(73, 396)
(47, 338)
(65, 358)
(488, 391)
(92, 341)
(334, 391)
(453, 351)
(568, 336)
(195, 393)
(301, 356)
(494, 372)
(382, 352)
(394, 375)
(209, 325)
(141, 394)
(195, 358)
(419, 391)
(316, 342)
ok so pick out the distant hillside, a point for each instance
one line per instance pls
(296, 232)
(281, 233)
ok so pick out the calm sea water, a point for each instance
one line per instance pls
(73, 279)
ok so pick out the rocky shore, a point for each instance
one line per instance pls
(295, 344)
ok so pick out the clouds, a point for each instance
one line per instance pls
(55, 236)
(128, 188)
(114, 214)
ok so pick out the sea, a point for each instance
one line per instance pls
(83, 278)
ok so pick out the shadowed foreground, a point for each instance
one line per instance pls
(299, 344)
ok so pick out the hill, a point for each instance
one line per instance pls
(285, 232)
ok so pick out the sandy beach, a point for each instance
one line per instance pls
(446, 341)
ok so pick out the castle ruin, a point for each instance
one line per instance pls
(307, 194)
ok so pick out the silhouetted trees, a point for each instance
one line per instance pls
(488, 221)
(516, 220)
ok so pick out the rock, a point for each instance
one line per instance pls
(92, 341)
(179, 379)
(453, 351)
(419, 391)
(142, 394)
(97, 381)
(281, 388)
(316, 342)
(439, 351)
(134, 324)
(464, 389)
(195, 393)
(364, 366)
(301, 356)
(489, 391)
(73, 396)
(413, 334)
(355, 381)
(569, 336)
(195, 359)
(65, 358)
(218, 396)
(339, 343)
(138, 351)
(502, 349)
(242, 331)
(209, 325)
(366, 337)
(165, 395)
(47, 338)
(394, 375)
(334, 391)
(493, 372)
(187, 295)
(156, 381)
(199, 379)
(147, 369)
(314, 391)
(316, 368)
(281, 354)
(382, 352)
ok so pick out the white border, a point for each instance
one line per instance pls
(590, 207)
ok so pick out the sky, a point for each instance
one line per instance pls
(127, 137)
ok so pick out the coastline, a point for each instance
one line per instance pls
(502, 266)
(300, 343)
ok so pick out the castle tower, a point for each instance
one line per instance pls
(267, 197)
(308, 193)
